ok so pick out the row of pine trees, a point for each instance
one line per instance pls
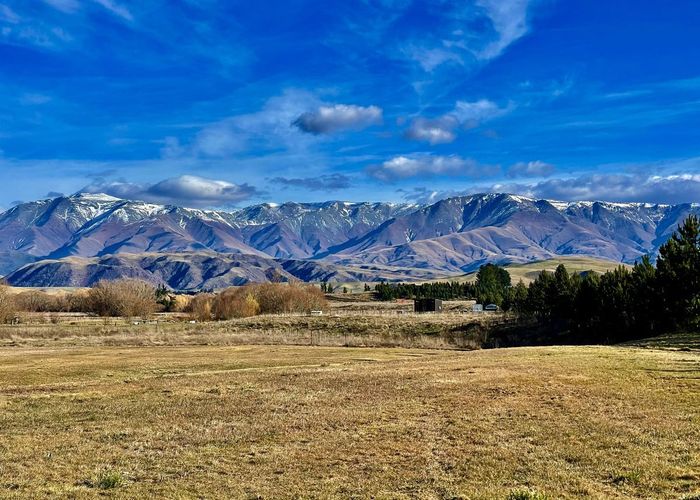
(622, 304)
(619, 305)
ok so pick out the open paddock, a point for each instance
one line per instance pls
(345, 328)
(318, 422)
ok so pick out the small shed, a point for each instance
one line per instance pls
(491, 307)
(427, 305)
(477, 308)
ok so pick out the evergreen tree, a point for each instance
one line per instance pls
(516, 298)
(678, 276)
(492, 283)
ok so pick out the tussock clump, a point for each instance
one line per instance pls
(526, 495)
(106, 480)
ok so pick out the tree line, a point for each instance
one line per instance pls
(444, 291)
(490, 287)
(622, 304)
(619, 305)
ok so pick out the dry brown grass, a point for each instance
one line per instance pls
(342, 328)
(280, 422)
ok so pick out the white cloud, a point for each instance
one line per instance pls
(268, 128)
(531, 169)
(472, 114)
(328, 119)
(186, 190)
(429, 59)
(509, 21)
(676, 188)
(402, 167)
(465, 114)
(437, 131)
(505, 22)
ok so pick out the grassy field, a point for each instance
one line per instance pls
(282, 421)
(349, 321)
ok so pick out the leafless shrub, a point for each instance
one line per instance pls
(277, 298)
(200, 307)
(235, 303)
(37, 301)
(292, 298)
(251, 300)
(125, 297)
(7, 305)
(78, 301)
(182, 303)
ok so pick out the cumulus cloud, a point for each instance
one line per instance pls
(402, 167)
(437, 131)
(186, 190)
(466, 114)
(332, 182)
(329, 119)
(531, 169)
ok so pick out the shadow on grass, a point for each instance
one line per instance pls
(687, 341)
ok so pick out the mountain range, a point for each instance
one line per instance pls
(75, 240)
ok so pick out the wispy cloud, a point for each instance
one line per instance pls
(64, 5)
(431, 58)
(509, 23)
(535, 168)
(267, 129)
(116, 9)
(329, 119)
(331, 182)
(501, 22)
(8, 15)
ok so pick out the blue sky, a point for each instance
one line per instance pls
(224, 103)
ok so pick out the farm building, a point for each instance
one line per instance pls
(427, 305)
